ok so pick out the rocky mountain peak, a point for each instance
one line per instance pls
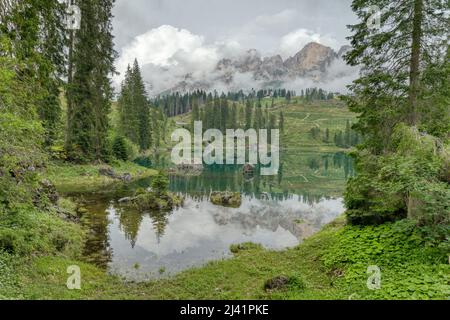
(312, 62)
(313, 57)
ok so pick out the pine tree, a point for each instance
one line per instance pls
(195, 112)
(119, 148)
(233, 122)
(248, 115)
(89, 93)
(141, 108)
(327, 136)
(259, 122)
(347, 136)
(281, 122)
(411, 39)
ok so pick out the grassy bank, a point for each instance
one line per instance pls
(330, 265)
(86, 178)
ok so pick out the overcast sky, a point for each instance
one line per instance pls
(193, 34)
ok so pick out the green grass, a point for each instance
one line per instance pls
(300, 117)
(75, 178)
(330, 265)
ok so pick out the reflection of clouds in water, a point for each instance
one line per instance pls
(201, 231)
(198, 224)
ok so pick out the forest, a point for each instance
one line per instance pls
(64, 128)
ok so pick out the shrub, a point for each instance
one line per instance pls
(119, 148)
(160, 183)
(408, 181)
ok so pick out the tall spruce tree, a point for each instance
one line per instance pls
(134, 108)
(89, 90)
(141, 108)
(248, 114)
(403, 113)
(411, 39)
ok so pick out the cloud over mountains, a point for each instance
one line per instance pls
(176, 59)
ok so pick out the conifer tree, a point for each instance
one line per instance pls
(89, 93)
(281, 122)
(411, 40)
(248, 115)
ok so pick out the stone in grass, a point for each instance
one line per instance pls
(283, 282)
(236, 248)
(226, 199)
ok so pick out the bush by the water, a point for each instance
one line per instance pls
(411, 181)
(160, 183)
(123, 149)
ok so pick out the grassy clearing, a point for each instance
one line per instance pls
(330, 265)
(77, 178)
(300, 117)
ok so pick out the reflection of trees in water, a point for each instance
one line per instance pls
(160, 220)
(131, 219)
(129, 222)
(231, 178)
(97, 249)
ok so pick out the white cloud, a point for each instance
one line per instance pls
(294, 41)
(167, 54)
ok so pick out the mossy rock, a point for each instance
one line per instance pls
(226, 199)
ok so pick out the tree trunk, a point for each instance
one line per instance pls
(414, 85)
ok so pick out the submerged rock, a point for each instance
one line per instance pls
(226, 199)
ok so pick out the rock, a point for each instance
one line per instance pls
(49, 189)
(126, 199)
(127, 177)
(226, 199)
(107, 171)
(277, 283)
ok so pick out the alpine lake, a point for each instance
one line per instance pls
(276, 212)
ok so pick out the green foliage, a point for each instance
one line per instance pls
(89, 93)
(160, 183)
(410, 269)
(408, 182)
(134, 109)
(36, 30)
(25, 231)
(119, 148)
(403, 91)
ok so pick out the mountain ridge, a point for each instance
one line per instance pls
(312, 62)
